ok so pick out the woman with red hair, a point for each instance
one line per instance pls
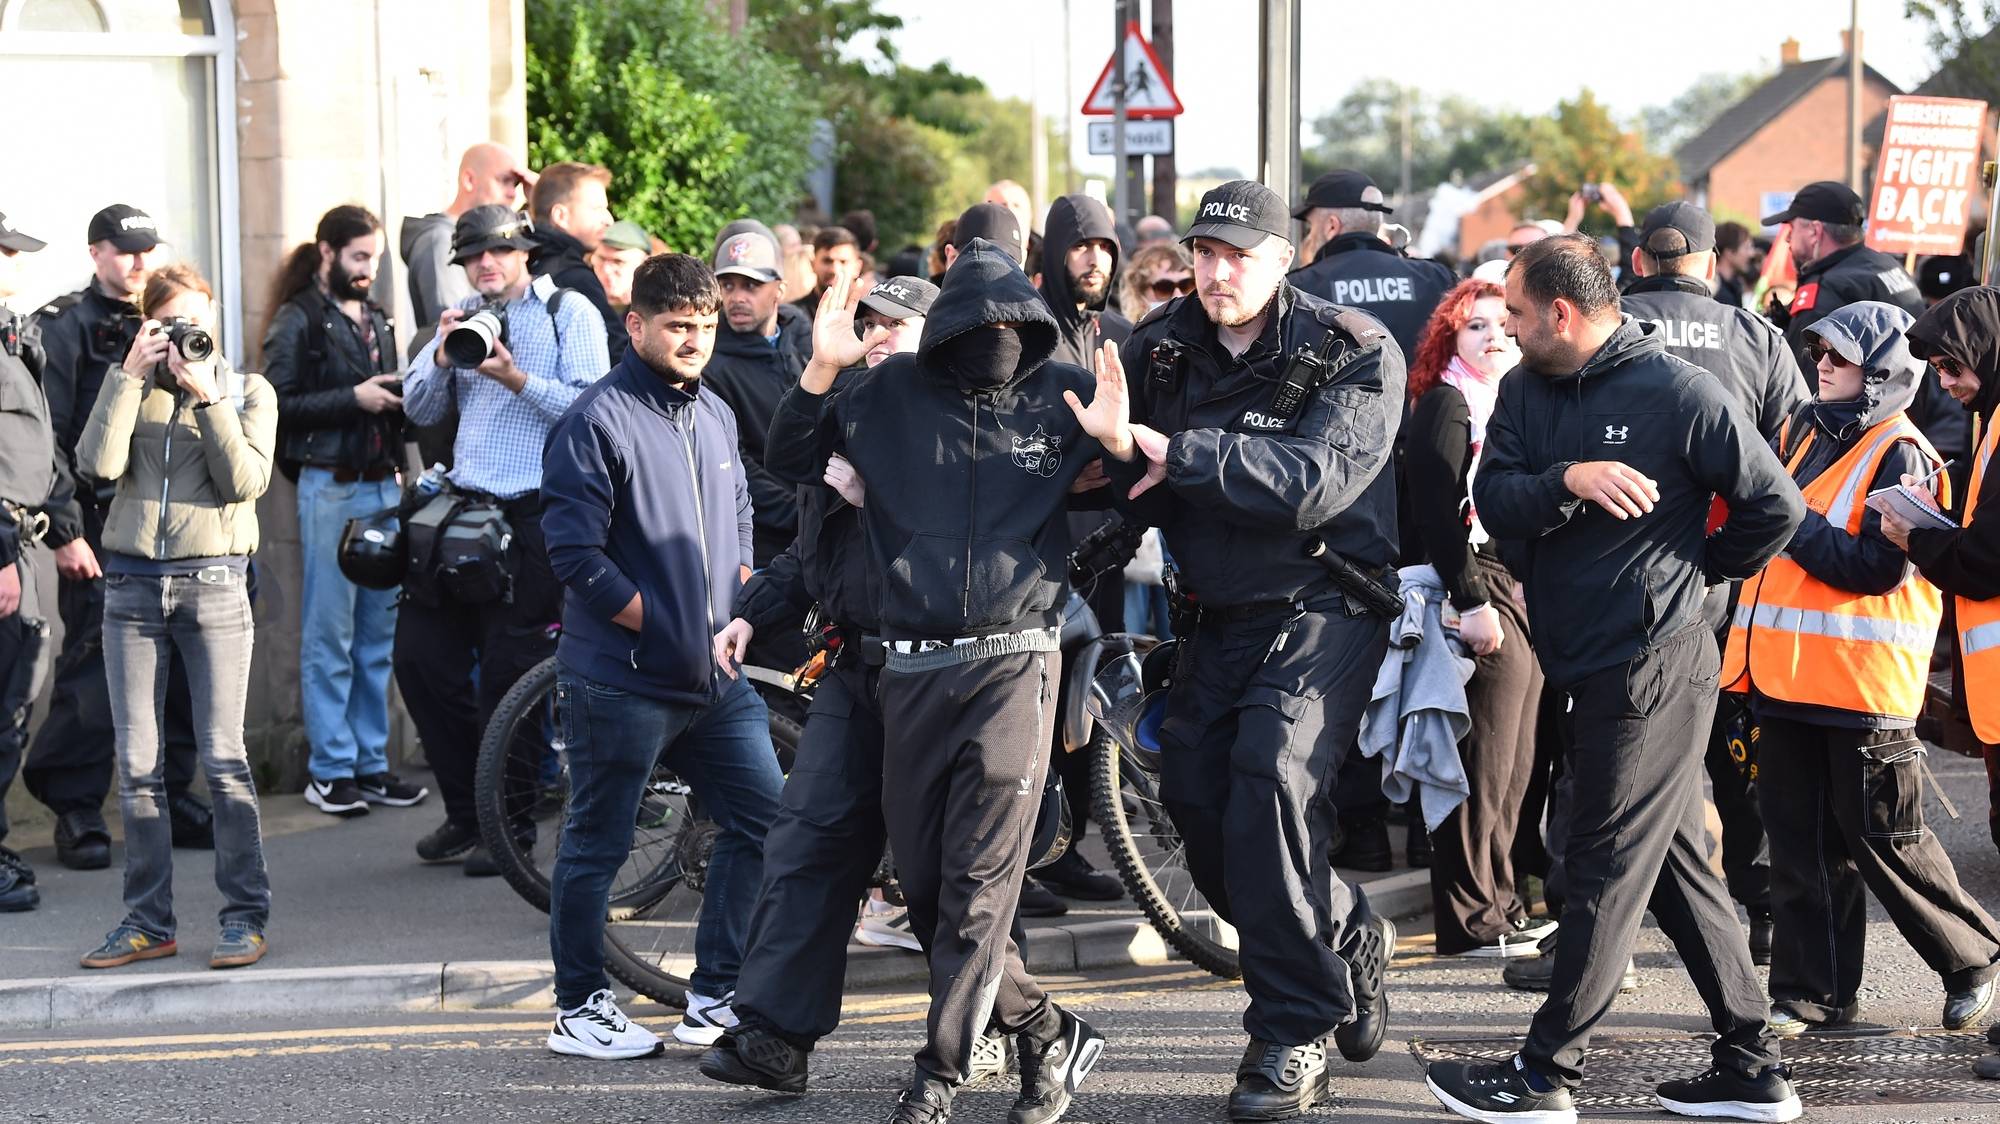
(1454, 377)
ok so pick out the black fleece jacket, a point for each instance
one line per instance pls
(564, 259)
(1079, 333)
(967, 488)
(1601, 590)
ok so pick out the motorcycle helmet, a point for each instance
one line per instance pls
(1129, 697)
(371, 550)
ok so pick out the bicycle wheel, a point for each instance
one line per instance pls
(1152, 859)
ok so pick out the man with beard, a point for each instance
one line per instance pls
(330, 354)
(1261, 419)
(1602, 458)
(759, 352)
(87, 333)
(651, 549)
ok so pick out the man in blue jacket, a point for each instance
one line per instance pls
(647, 515)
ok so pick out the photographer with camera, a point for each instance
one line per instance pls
(330, 352)
(509, 361)
(187, 441)
(88, 334)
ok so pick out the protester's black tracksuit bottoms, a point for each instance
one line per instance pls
(1636, 841)
(439, 647)
(819, 855)
(1473, 893)
(1846, 811)
(1264, 706)
(965, 753)
(69, 766)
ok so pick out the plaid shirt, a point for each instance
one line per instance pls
(501, 433)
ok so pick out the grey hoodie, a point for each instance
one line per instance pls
(436, 281)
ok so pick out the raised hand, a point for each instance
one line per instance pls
(1109, 415)
(835, 344)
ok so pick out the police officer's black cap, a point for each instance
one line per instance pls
(130, 229)
(997, 225)
(900, 298)
(493, 226)
(1343, 188)
(1241, 213)
(11, 239)
(1674, 229)
(1823, 201)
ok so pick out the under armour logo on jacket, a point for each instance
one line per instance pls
(1038, 452)
(1616, 434)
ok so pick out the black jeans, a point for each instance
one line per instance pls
(70, 766)
(1472, 871)
(1254, 734)
(439, 647)
(1636, 841)
(1846, 810)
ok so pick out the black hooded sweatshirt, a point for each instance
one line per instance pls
(968, 486)
(1965, 326)
(750, 374)
(1601, 590)
(564, 260)
(1079, 333)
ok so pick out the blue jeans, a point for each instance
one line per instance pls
(206, 618)
(723, 751)
(346, 633)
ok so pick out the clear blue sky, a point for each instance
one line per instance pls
(1497, 51)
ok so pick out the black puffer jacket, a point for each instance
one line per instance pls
(314, 357)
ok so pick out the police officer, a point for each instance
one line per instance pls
(1261, 418)
(87, 333)
(1826, 221)
(1356, 267)
(27, 477)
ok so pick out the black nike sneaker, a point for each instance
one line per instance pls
(1052, 1071)
(1497, 1093)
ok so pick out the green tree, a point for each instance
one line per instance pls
(1963, 41)
(1668, 126)
(1580, 143)
(1450, 138)
(697, 127)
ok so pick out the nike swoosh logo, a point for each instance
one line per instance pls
(601, 1040)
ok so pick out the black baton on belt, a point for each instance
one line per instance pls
(1352, 581)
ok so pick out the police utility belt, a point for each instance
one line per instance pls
(458, 543)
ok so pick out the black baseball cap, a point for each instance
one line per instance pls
(1822, 201)
(1672, 230)
(11, 239)
(130, 229)
(1343, 188)
(900, 298)
(994, 223)
(492, 226)
(1241, 213)
(747, 248)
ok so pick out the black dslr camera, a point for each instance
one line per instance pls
(190, 339)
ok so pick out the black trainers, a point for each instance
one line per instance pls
(1363, 846)
(390, 790)
(338, 798)
(1072, 876)
(1726, 1095)
(83, 842)
(925, 1102)
(1497, 1092)
(1036, 901)
(1762, 931)
(17, 884)
(449, 843)
(1052, 1071)
(191, 822)
(10, 859)
(1370, 943)
(1278, 1082)
(750, 1054)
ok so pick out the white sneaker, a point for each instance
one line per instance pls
(598, 1029)
(706, 1019)
(887, 929)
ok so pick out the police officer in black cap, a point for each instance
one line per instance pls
(87, 333)
(1356, 267)
(27, 483)
(1260, 423)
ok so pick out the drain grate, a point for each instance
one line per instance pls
(1858, 1067)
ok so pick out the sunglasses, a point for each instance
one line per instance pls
(1952, 367)
(1165, 287)
(1820, 349)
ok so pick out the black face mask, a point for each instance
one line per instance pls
(984, 357)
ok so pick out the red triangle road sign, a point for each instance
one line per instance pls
(1149, 92)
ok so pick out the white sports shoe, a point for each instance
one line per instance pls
(598, 1029)
(706, 1018)
(886, 928)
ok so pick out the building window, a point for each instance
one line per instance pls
(127, 98)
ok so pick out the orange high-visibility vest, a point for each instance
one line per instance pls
(1800, 640)
(1979, 623)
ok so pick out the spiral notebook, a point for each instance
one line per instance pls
(1912, 507)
